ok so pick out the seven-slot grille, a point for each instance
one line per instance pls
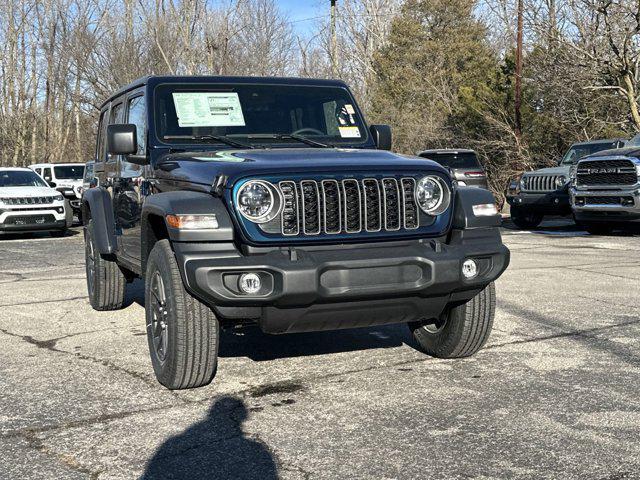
(26, 200)
(606, 172)
(348, 206)
(540, 183)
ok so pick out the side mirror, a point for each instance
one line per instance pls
(381, 136)
(121, 139)
(51, 184)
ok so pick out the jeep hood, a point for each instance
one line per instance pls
(27, 192)
(559, 170)
(204, 167)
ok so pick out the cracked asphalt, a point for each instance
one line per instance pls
(554, 394)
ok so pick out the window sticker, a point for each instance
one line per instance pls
(349, 132)
(349, 108)
(208, 109)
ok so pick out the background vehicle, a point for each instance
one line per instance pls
(605, 190)
(464, 165)
(89, 180)
(27, 203)
(66, 178)
(545, 191)
(269, 201)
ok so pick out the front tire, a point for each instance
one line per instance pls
(460, 331)
(105, 280)
(525, 220)
(182, 332)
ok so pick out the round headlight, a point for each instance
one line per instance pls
(560, 181)
(432, 195)
(258, 201)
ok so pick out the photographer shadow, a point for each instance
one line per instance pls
(214, 448)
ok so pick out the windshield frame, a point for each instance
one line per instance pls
(38, 179)
(366, 141)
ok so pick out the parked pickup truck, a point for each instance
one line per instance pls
(269, 202)
(605, 190)
(546, 191)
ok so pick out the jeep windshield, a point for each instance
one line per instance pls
(20, 178)
(576, 152)
(69, 172)
(254, 114)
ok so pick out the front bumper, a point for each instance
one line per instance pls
(621, 205)
(345, 286)
(27, 220)
(74, 198)
(547, 203)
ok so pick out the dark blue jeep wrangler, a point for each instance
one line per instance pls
(269, 201)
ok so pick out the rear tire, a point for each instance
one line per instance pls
(524, 219)
(183, 333)
(105, 280)
(460, 331)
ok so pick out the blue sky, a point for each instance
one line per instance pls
(299, 10)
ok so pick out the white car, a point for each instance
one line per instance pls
(28, 204)
(67, 178)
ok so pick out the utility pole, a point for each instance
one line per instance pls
(518, 92)
(334, 41)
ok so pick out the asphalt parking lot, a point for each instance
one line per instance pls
(555, 394)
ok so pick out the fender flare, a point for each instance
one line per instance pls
(98, 201)
(189, 203)
(463, 216)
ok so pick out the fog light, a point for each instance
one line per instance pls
(469, 269)
(250, 283)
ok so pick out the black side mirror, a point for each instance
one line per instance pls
(381, 136)
(121, 139)
(51, 184)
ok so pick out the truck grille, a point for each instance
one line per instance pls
(606, 172)
(348, 206)
(605, 200)
(540, 183)
(26, 200)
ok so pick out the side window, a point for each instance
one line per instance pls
(115, 118)
(116, 114)
(46, 174)
(100, 144)
(137, 115)
(39, 171)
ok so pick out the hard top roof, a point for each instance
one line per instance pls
(15, 169)
(445, 150)
(152, 80)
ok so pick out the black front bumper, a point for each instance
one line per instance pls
(552, 203)
(345, 286)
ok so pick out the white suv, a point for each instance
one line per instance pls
(66, 178)
(27, 203)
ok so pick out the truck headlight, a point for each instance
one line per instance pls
(432, 195)
(561, 181)
(258, 201)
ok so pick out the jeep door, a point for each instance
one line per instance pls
(131, 185)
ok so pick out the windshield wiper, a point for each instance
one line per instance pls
(209, 138)
(293, 136)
